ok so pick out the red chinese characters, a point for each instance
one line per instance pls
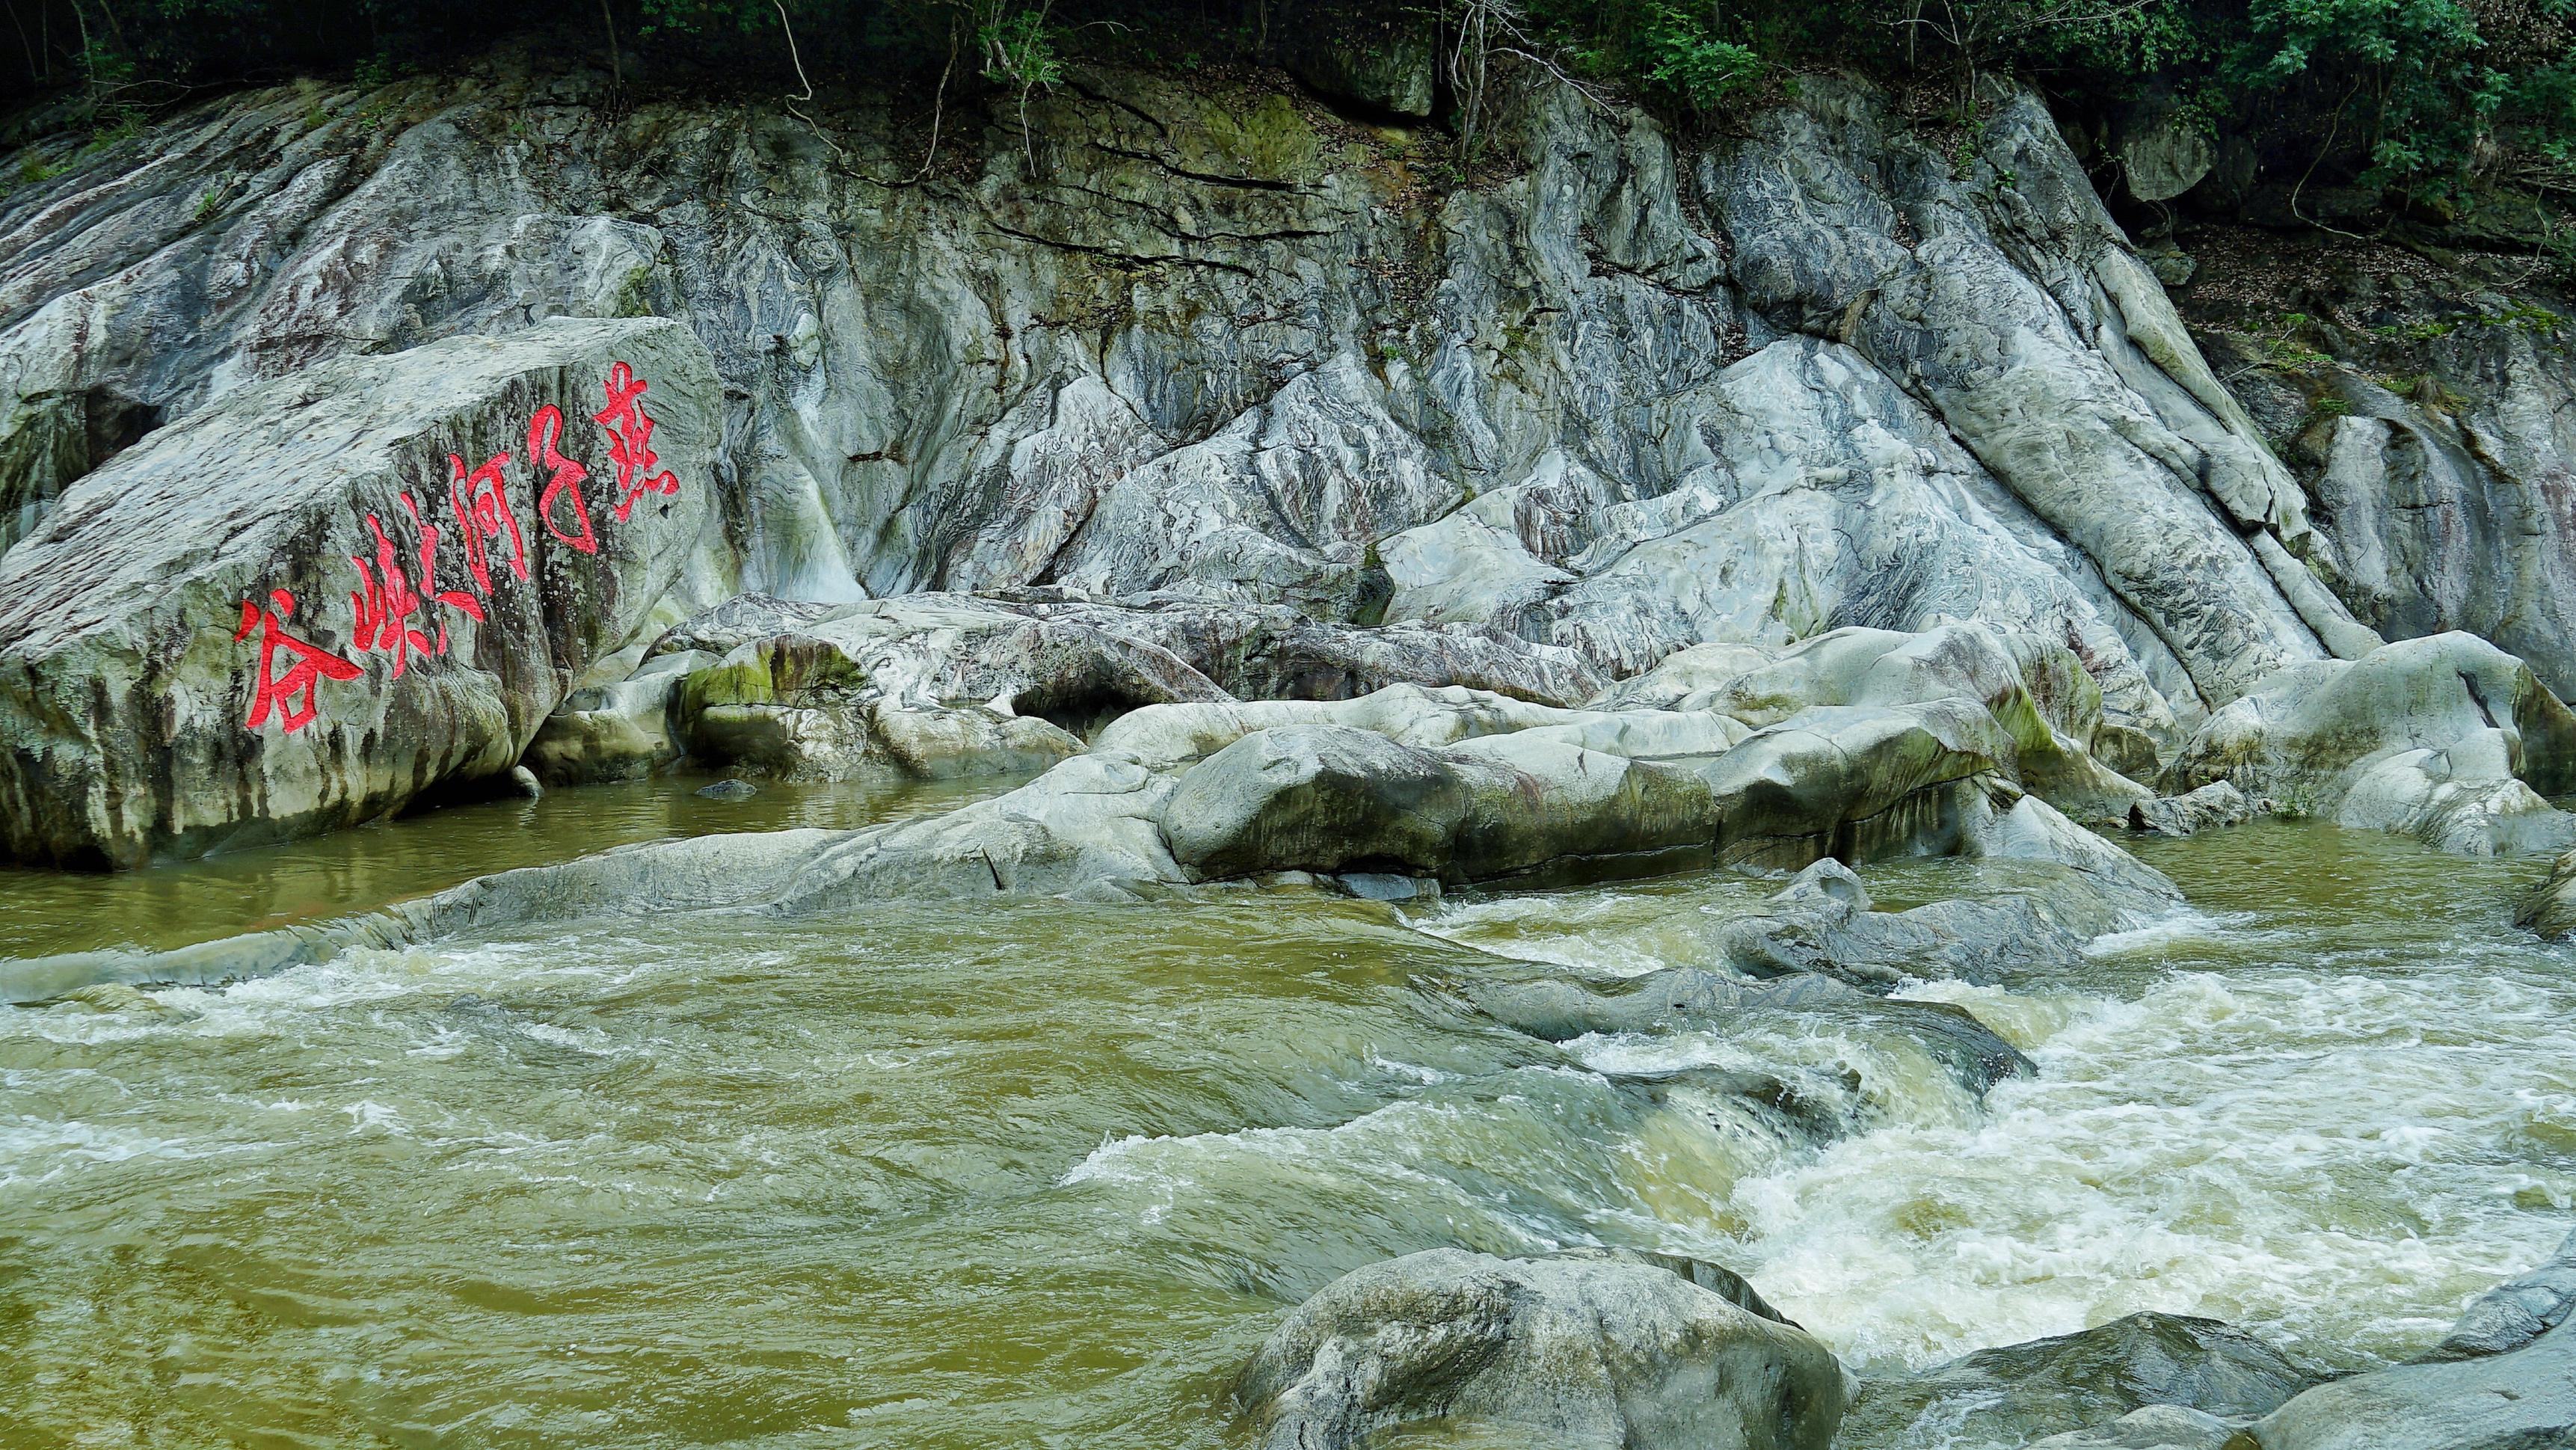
(563, 477)
(398, 608)
(290, 695)
(481, 503)
(385, 603)
(630, 441)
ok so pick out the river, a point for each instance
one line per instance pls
(1045, 1174)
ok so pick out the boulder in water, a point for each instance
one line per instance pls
(2022, 1392)
(314, 600)
(2446, 738)
(1580, 1352)
(2216, 804)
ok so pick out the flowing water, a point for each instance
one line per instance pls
(1045, 1174)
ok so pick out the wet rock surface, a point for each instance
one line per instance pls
(2445, 738)
(1590, 1351)
(314, 601)
(2074, 1382)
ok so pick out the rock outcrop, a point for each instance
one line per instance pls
(2446, 738)
(1588, 1352)
(1638, 393)
(940, 685)
(2425, 411)
(316, 600)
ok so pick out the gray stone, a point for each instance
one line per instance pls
(158, 697)
(1637, 392)
(1381, 58)
(2216, 804)
(2165, 154)
(2156, 1427)
(2515, 1312)
(2522, 1400)
(1557, 1006)
(2550, 907)
(621, 729)
(729, 790)
(2023, 1392)
(2446, 738)
(1586, 1351)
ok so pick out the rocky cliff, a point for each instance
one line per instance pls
(1209, 341)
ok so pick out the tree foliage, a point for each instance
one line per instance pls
(2422, 99)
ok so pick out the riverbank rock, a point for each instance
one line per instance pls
(316, 600)
(2038, 691)
(623, 730)
(2074, 1382)
(2515, 1312)
(1631, 388)
(2550, 907)
(2447, 739)
(2214, 805)
(2523, 1400)
(1585, 1353)
(941, 685)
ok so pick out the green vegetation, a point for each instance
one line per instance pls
(2426, 103)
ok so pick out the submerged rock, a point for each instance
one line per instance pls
(2071, 1382)
(1588, 1352)
(2447, 739)
(2156, 1427)
(729, 790)
(315, 600)
(1558, 1006)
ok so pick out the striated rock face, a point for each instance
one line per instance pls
(2427, 416)
(1630, 396)
(1589, 1352)
(315, 600)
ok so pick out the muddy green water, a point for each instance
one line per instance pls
(1045, 1174)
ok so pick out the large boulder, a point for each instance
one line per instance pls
(2021, 1392)
(318, 599)
(1854, 782)
(1581, 1352)
(2446, 738)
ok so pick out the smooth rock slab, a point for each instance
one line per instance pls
(289, 611)
(1574, 1353)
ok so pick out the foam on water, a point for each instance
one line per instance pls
(1046, 1173)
